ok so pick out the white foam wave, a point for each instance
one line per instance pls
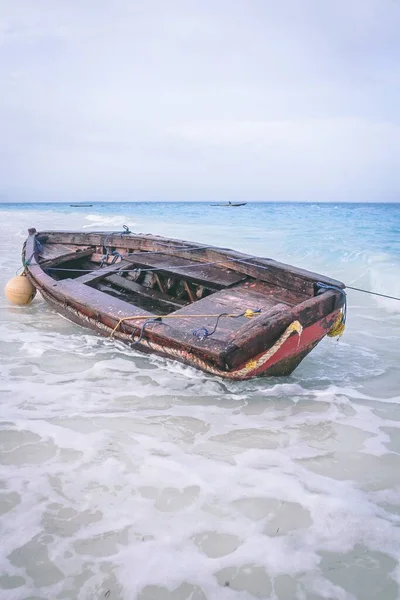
(128, 476)
(96, 220)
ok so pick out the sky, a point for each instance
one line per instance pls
(191, 100)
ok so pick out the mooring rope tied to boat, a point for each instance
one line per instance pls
(349, 287)
(248, 314)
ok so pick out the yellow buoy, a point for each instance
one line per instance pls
(19, 290)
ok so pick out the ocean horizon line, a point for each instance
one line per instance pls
(280, 202)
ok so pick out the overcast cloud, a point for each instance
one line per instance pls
(200, 99)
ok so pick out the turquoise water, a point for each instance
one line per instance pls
(303, 228)
(135, 477)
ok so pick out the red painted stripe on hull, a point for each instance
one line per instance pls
(295, 344)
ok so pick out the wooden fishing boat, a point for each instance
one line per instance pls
(226, 313)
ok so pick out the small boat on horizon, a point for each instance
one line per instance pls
(81, 205)
(229, 204)
(228, 314)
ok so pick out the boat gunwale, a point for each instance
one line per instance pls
(237, 260)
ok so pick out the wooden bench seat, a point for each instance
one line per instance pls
(94, 299)
(247, 295)
(211, 276)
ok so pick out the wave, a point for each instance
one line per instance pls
(101, 221)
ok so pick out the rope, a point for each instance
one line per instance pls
(148, 322)
(248, 314)
(201, 333)
(37, 247)
(372, 293)
(254, 364)
(251, 367)
(105, 248)
(339, 325)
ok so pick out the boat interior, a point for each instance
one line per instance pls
(161, 283)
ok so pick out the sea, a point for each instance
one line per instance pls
(131, 477)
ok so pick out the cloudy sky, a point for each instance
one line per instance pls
(200, 99)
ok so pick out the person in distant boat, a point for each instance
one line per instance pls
(229, 202)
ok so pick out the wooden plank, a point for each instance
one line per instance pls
(264, 320)
(189, 292)
(61, 258)
(233, 300)
(96, 275)
(267, 292)
(110, 290)
(159, 283)
(98, 302)
(189, 270)
(50, 251)
(98, 257)
(142, 290)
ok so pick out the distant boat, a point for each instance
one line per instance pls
(81, 205)
(230, 204)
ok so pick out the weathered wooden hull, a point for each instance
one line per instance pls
(271, 344)
(281, 363)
